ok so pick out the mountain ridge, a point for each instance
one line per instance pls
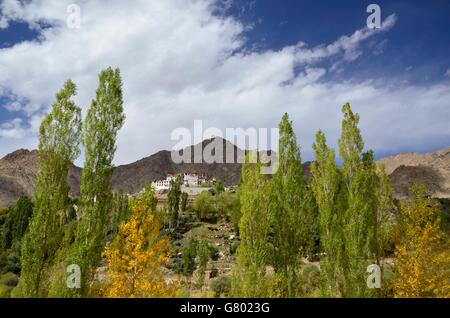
(18, 171)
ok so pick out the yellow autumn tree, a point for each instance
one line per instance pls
(135, 257)
(422, 253)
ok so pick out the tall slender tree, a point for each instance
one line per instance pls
(59, 139)
(326, 185)
(359, 177)
(184, 200)
(386, 212)
(292, 208)
(120, 211)
(104, 119)
(253, 254)
(173, 201)
(148, 198)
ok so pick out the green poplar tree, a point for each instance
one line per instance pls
(16, 223)
(293, 212)
(385, 214)
(147, 198)
(59, 139)
(184, 200)
(360, 229)
(326, 185)
(253, 254)
(120, 211)
(173, 201)
(104, 119)
(219, 187)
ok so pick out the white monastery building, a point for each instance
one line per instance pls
(189, 180)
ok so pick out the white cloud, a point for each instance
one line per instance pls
(447, 73)
(12, 129)
(177, 63)
(349, 46)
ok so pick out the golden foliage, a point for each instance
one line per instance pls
(422, 254)
(135, 257)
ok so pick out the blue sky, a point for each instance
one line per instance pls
(234, 63)
(417, 49)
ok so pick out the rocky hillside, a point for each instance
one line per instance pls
(133, 177)
(432, 168)
(18, 171)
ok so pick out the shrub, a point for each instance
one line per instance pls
(10, 260)
(162, 216)
(184, 198)
(224, 204)
(219, 187)
(203, 253)
(213, 252)
(189, 253)
(5, 291)
(235, 214)
(9, 279)
(233, 247)
(177, 265)
(204, 206)
(221, 286)
(310, 280)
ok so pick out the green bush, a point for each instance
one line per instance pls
(221, 286)
(9, 279)
(10, 259)
(224, 204)
(189, 253)
(203, 253)
(184, 198)
(233, 247)
(177, 265)
(219, 187)
(203, 205)
(6, 233)
(310, 280)
(15, 222)
(5, 291)
(235, 214)
(163, 216)
(213, 252)
(3, 211)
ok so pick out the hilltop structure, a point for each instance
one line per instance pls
(189, 180)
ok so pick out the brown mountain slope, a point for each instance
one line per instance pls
(433, 168)
(18, 171)
(133, 177)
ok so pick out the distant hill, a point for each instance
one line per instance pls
(131, 178)
(18, 171)
(433, 168)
